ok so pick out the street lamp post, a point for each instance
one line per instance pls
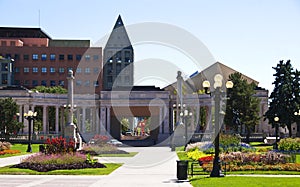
(184, 115)
(276, 119)
(218, 79)
(30, 116)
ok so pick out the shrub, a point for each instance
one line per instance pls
(100, 139)
(289, 144)
(104, 149)
(59, 146)
(43, 163)
(5, 146)
(227, 140)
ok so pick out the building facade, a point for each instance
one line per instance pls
(39, 60)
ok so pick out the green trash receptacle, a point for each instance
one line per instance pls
(182, 169)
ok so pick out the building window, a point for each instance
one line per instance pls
(26, 70)
(78, 83)
(35, 56)
(35, 69)
(52, 70)
(78, 70)
(61, 83)
(70, 57)
(26, 82)
(96, 57)
(78, 57)
(34, 83)
(87, 57)
(127, 56)
(61, 57)
(87, 83)
(52, 56)
(3, 43)
(44, 70)
(17, 57)
(52, 83)
(61, 70)
(44, 83)
(70, 69)
(4, 67)
(25, 57)
(96, 70)
(44, 57)
(118, 56)
(17, 69)
(109, 79)
(17, 82)
(87, 70)
(12, 43)
(96, 83)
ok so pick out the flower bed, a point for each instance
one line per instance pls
(4, 152)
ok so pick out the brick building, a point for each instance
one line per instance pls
(40, 60)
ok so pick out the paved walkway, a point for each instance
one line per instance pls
(152, 166)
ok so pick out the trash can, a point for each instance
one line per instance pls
(182, 169)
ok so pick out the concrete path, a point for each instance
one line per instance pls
(152, 166)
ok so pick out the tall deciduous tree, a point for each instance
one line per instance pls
(8, 117)
(282, 99)
(243, 103)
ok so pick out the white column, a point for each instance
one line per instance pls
(97, 123)
(56, 119)
(21, 113)
(83, 119)
(45, 124)
(166, 120)
(26, 109)
(102, 120)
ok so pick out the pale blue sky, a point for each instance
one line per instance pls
(250, 36)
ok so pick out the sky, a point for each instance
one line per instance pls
(250, 36)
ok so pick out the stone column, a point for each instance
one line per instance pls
(20, 113)
(26, 109)
(83, 119)
(102, 120)
(56, 119)
(45, 121)
(97, 123)
(166, 120)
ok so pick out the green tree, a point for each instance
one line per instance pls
(283, 98)
(8, 117)
(242, 101)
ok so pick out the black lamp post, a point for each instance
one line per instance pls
(30, 116)
(216, 171)
(276, 119)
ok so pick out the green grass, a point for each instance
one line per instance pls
(22, 148)
(238, 181)
(298, 158)
(110, 167)
(131, 154)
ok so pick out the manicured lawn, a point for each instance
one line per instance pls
(22, 148)
(89, 171)
(131, 154)
(237, 181)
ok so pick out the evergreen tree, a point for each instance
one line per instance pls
(8, 117)
(242, 106)
(282, 99)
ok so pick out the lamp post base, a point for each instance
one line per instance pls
(29, 150)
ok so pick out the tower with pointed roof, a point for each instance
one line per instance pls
(118, 58)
